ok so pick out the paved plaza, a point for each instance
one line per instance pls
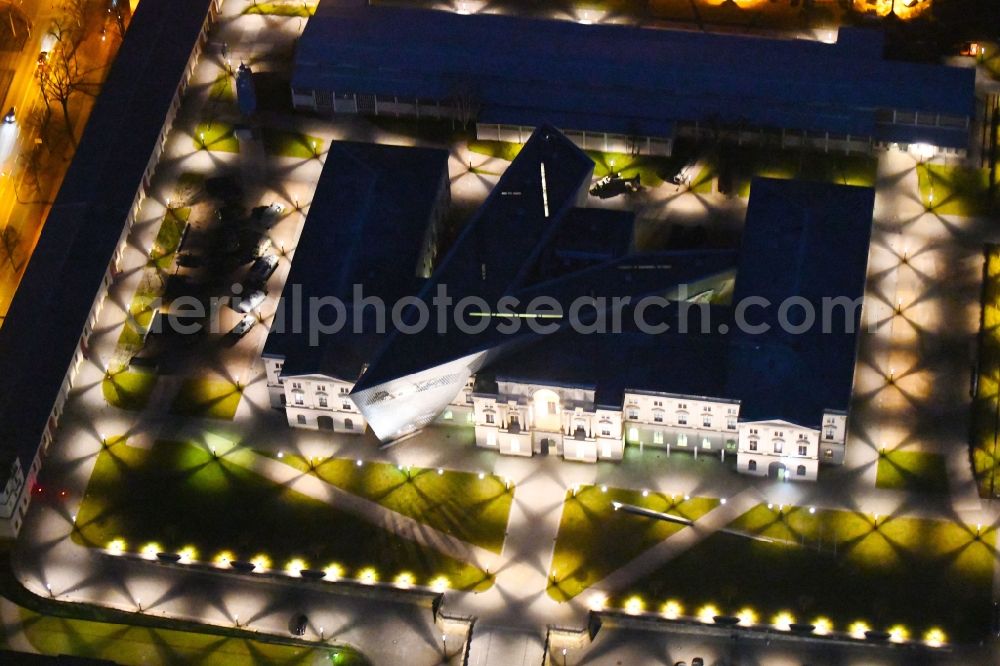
(911, 393)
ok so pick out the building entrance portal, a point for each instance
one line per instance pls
(547, 411)
(324, 422)
(777, 470)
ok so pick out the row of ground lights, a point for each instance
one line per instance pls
(262, 564)
(748, 617)
(645, 493)
(314, 461)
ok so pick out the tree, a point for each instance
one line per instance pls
(62, 76)
(465, 98)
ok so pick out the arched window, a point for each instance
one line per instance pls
(752, 465)
(801, 470)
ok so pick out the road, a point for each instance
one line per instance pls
(20, 208)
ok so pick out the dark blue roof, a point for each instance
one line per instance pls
(621, 78)
(366, 226)
(802, 239)
(810, 241)
(49, 310)
(497, 251)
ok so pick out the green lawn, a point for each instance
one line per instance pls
(913, 471)
(922, 574)
(747, 163)
(457, 503)
(169, 237)
(140, 316)
(222, 88)
(594, 539)
(129, 389)
(125, 644)
(205, 397)
(957, 190)
(216, 136)
(291, 144)
(652, 170)
(986, 404)
(178, 495)
(299, 9)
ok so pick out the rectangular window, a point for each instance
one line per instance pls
(828, 453)
(657, 437)
(682, 419)
(753, 444)
(322, 401)
(605, 431)
(731, 423)
(347, 406)
(299, 400)
(489, 418)
(803, 449)
(301, 419)
(706, 421)
(658, 418)
(779, 446)
(632, 415)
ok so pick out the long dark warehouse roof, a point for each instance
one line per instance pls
(50, 308)
(627, 79)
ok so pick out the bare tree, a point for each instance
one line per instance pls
(62, 75)
(465, 98)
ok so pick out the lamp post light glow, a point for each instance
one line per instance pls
(368, 576)
(150, 550)
(482, 476)
(899, 634)
(334, 572)
(405, 580)
(604, 489)
(747, 617)
(597, 601)
(783, 621)
(295, 567)
(116, 547)
(686, 497)
(634, 605)
(858, 629)
(440, 584)
(672, 610)
(187, 555)
(935, 637)
(707, 613)
(823, 626)
(359, 462)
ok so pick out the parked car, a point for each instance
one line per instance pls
(262, 268)
(251, 301)
(263, 245)
(189, 260)
(244, 325)
(297, 625)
